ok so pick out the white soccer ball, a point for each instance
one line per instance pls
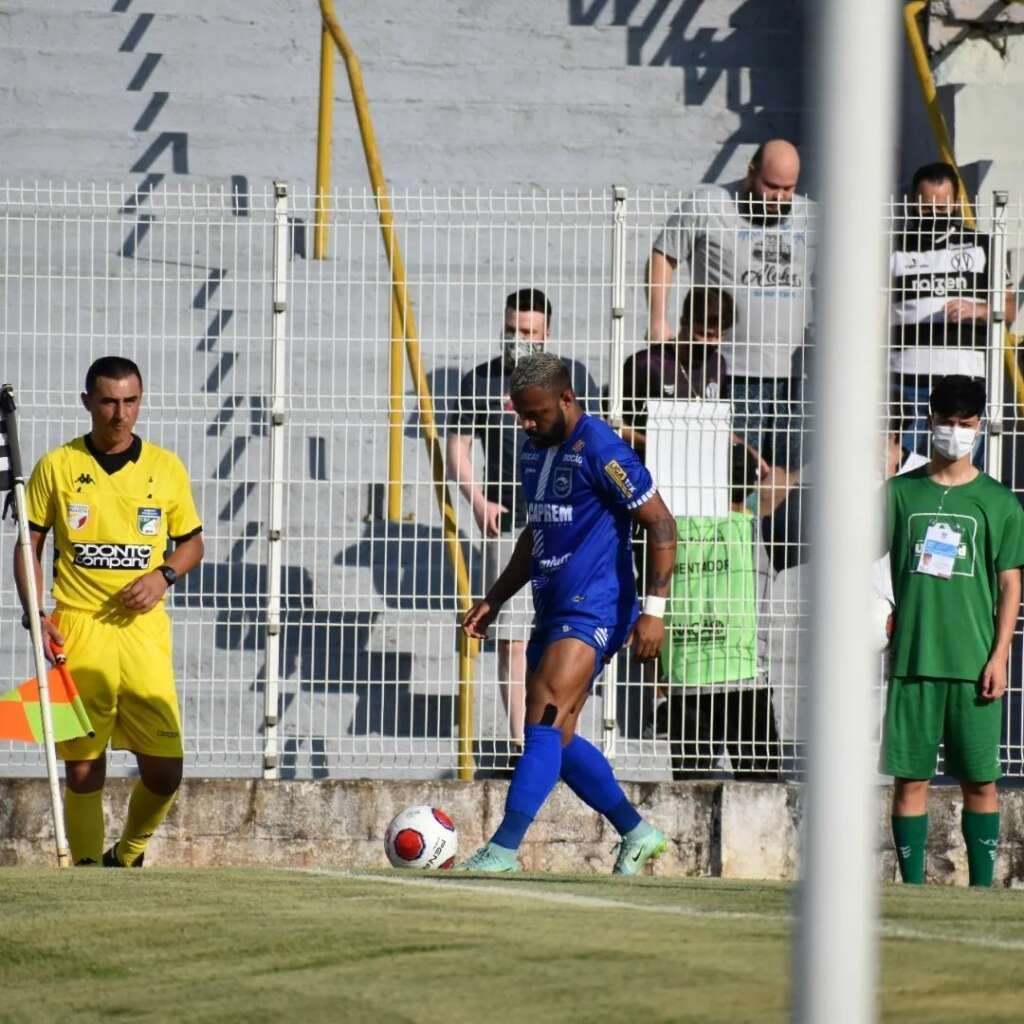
(421, 837)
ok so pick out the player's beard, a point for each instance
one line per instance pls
(554, 435)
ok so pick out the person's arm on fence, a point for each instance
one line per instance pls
(660, 269)
(513, 578)
(460, 470)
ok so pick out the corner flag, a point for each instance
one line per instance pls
(21, 715)
(32, 700)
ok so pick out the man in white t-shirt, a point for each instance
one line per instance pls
(756, 239)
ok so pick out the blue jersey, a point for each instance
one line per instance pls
(580, 497)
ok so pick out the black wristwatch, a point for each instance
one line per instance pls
(169, 575)
(26, 622)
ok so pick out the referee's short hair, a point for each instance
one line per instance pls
(543, 370)
(113, 368)
(958, 395)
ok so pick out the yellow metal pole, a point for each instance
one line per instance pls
(406, 318)
(323, 143)
(919, 55)
(396, 411)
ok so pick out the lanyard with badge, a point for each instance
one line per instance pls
(941, 544)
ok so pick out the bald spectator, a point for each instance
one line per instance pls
(754, 238)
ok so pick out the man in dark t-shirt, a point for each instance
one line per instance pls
(689, 367)
(485, 413)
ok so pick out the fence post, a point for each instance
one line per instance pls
(997, 336)
(271, 766)
(610, 682)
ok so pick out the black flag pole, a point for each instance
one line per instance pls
(12, 478)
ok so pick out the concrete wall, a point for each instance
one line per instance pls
(732, 830)
(539, 92)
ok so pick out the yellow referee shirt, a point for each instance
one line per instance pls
(109, 528)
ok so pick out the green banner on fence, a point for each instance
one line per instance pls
(711, 618)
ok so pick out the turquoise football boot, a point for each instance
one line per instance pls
(636, 850)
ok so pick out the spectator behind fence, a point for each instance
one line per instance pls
(485, 412)
(956, 542)
(755, 238)
(691, 366)
(719, 700)
(942, 285)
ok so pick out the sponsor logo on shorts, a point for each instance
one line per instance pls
(78, 515)
(561, 482)
(619, 477)
(148, 520)
(113, 556)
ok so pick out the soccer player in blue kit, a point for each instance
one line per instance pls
(584, 487)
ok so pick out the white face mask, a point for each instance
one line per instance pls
(953, 442)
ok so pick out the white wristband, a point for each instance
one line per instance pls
(655, 606)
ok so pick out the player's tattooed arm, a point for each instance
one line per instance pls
(662, 537)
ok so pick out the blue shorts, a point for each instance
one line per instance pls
(606, 641)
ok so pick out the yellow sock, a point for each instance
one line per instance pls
(83, 819)
(146, 811)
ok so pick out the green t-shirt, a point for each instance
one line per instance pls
(945, 627)
(711, 618)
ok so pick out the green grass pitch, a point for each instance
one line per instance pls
(278, 946)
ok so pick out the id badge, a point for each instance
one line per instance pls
(938, 553)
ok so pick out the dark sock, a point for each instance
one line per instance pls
(910, 833)
(981, 834)
(534, 777)
(586, 771)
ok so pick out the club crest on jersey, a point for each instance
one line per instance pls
(561, 482)
(78, 515)
(619, 477)
(148, 521)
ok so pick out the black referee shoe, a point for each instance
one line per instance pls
(111, 859)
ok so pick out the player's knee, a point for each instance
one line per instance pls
(85, 776)
(161, 775)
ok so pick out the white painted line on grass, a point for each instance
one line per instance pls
(523, 891)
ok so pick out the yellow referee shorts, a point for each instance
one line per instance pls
(123, 672)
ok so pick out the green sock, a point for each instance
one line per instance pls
(981, 834)
(910, 833)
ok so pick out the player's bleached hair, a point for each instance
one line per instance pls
(543, 370)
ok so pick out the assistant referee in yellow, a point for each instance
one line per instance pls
(116, 505)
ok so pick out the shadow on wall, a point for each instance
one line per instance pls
(326, 652)
(768, 97)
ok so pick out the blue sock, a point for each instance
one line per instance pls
(586, 771)
(532, 781)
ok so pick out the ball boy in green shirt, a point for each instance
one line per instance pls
(956, 542)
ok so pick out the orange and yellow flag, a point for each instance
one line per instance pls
(21, 717)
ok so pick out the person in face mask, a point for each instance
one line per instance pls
(485, 413)
(955, 539)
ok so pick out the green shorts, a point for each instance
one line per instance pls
(921, 712)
